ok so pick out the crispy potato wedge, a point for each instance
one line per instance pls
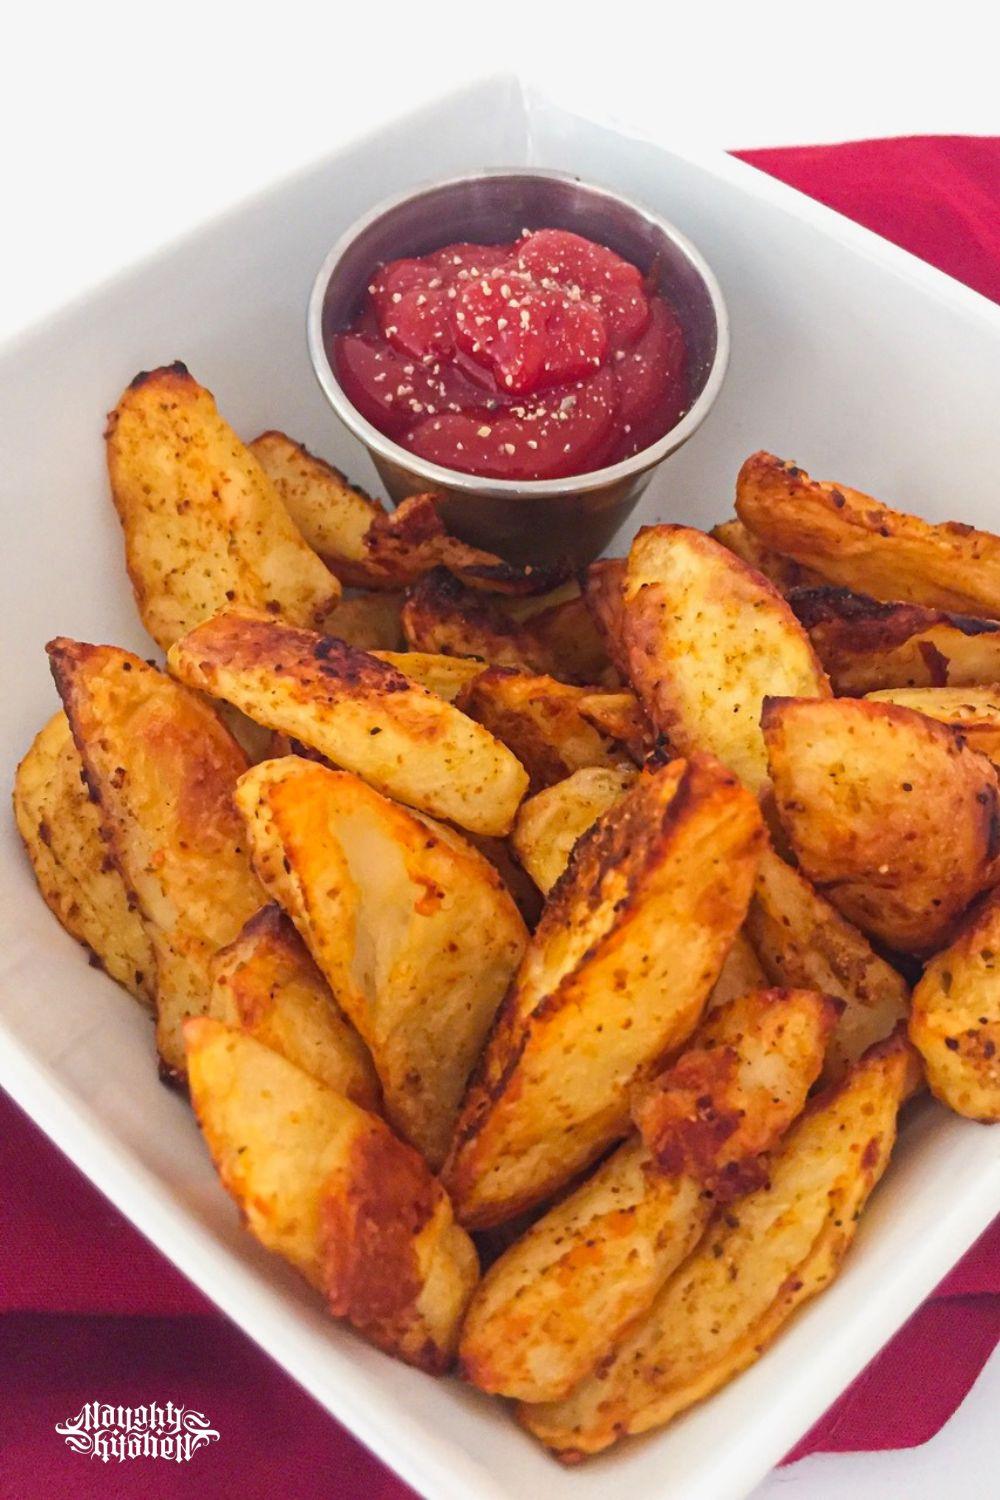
(538, 718)
(620, 717)
(265, 983)
(332, 514)
(854, 540)
(888, 812)
(741, 972)
(800, 939)
(522, 607)
(444, 675)
(549, 824)
(372, 622)
(955, 1021)
(413, 929)
(973, 711)
(162, 770)
(616, 975)
(441, 615)
(327, 1186)
(730, 1299)
(568, 632)
(602, 586)
(866, 646)
(78, 880)
(784, 572)
(707, 640)
(558, 1300)
(359, 713)
(203, 525)
(526, 895)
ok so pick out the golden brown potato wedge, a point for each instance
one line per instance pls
(866, 646)
(730, 1299)
(538, 718)
(854, 540)
(444, 675)
(327, 1186)
(77, 878)
(549, 824)
(615, 976)
(602, 586)
(441, 615)
(372, 622)
(203, 525)
(973, 711)
(568, 632)
(620, 717)
(332, 514)
(800, 939)
(162, 770)
(741, 972)
(413, 929)
(266, 984)
(955, 1021)
(559, 1299)
(784, 572)
(707, 640)
(888, 812)
(359, 713)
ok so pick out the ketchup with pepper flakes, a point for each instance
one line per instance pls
(536, 360)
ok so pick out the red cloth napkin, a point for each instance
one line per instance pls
(90, 1311)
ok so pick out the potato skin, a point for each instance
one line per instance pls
(77, 878)
(616, 975)
(974, 712)
(888, 812)
(854, 540)
(549, 824)
(602, 586)
(730, 1299)
(162, 770)
(784, 572)
(955, 1020)
(369, 621)
(327, 1186)
(203, 525)
(707, 639)
(358, 712)
(443, 616)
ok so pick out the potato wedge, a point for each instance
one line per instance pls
(800, 939)
(548, 825)
(888, 812)
(412, 928)
(741, 972)
(265, 983)
(730, 1299)
(620, 717)
(77, 878)
(784, 572)
(558, 1300)
(332, 514)
(203, 525)
(866, 646)
(973, 711)
(602, 587)
(616, 975)
(372, 622)
(359, 713)
(568, 632)
(707, 640)
(327, 1186)
(856, 541)
(162, 770)
(443, 616)
(444, 675)
(955, 1021)
(538, 718)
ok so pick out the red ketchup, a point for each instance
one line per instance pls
(536, 360)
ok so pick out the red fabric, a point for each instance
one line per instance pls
(92, 1312)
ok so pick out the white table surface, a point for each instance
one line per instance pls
(125, 125)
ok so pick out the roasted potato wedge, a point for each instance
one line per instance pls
(557, 1301)
(332, 514)
(444, 675)
(973, 711)
(741, 972)
(78, 880)
(730, 1299)
(866, 646)
(856, 541)
(372, 622)
(265, 983)
(707, 640)
(441, 615)
(567, 631)
(602, 586)
(784, 572)
(955, 1021)
(538, 718)
(203, 525)
(616, 975)
(162, 770)
(414, 930)
(800, 939)
(888, 812)
(549, 824)
(359, 713)
(620, 717)
(327, 1186)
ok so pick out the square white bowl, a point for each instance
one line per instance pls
(848, 355)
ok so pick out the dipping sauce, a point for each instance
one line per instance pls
(535, 360)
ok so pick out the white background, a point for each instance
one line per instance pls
(124, 124)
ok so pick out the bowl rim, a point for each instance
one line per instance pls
(436, 475)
